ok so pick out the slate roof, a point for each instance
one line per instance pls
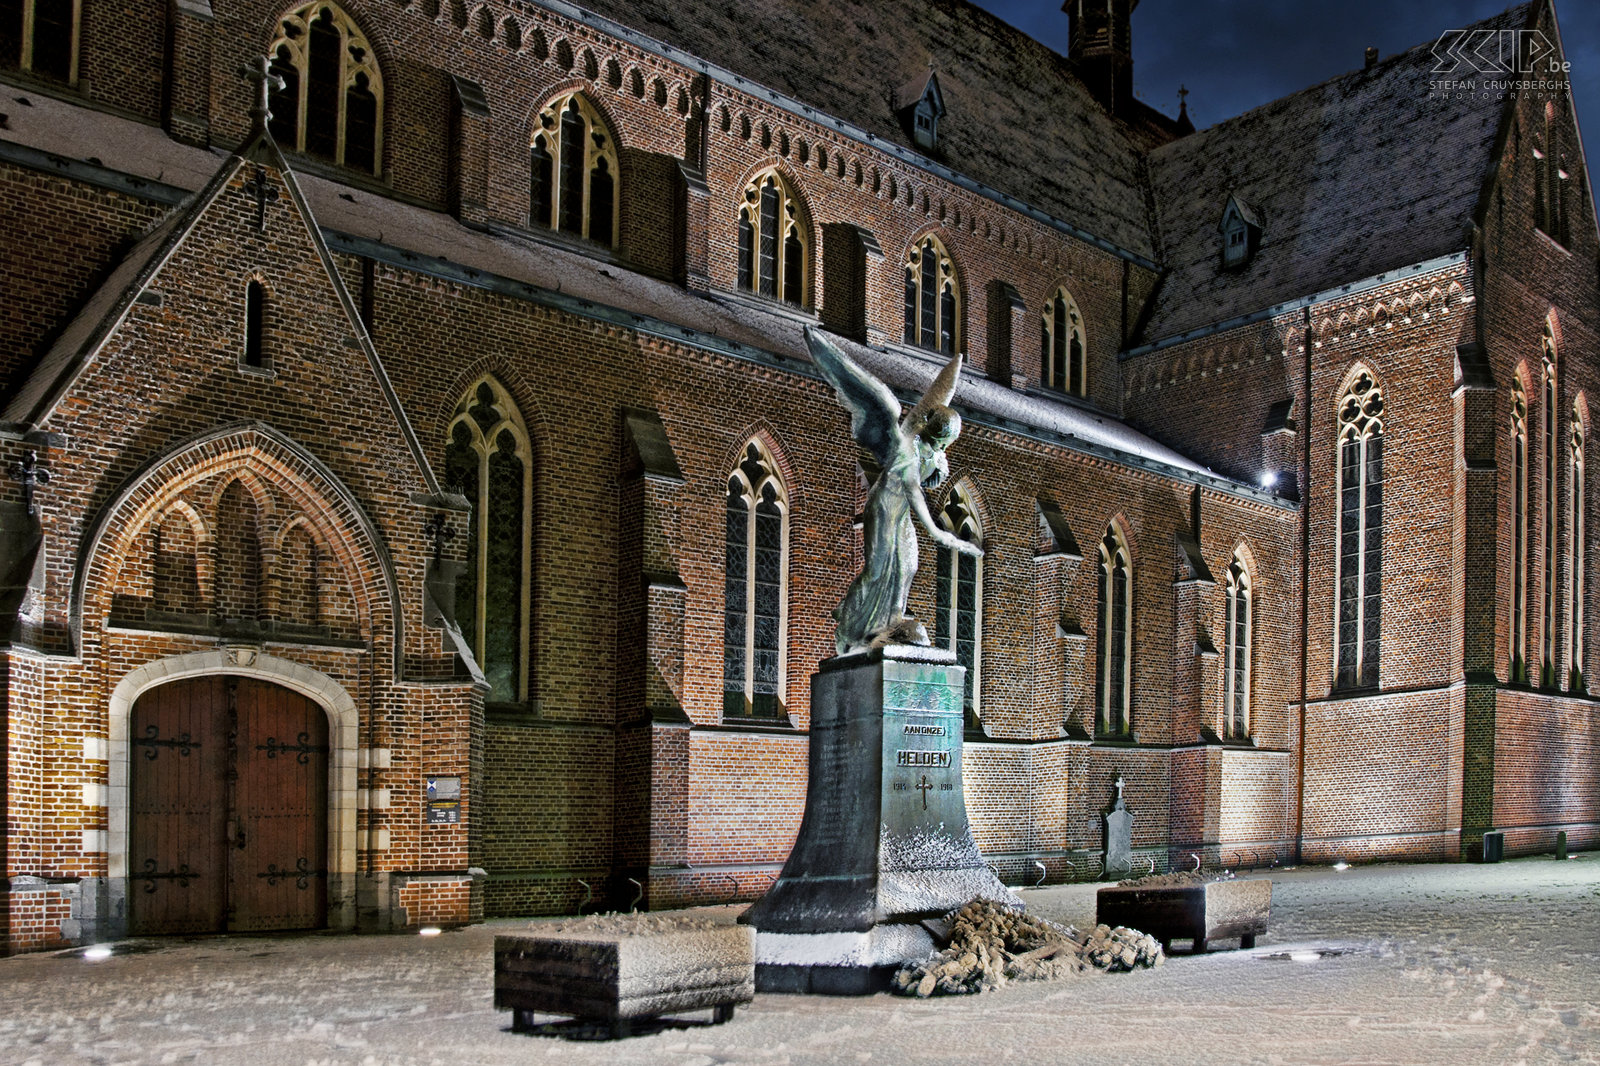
(1350, 178)
(846, 58)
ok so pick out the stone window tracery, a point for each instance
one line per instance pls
(1062, 346)
(574, 171)
(774, 241)
(958, 612)
(489, 460)
(933, 298)
(1113, 659)
(1360, 542)
(330, 103)
(1236, 647)
(755, 606)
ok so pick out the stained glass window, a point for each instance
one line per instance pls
(1360, 533)
(1576, 533)
(1236, 652)
(42, 36)
(774, 240)
(488, 460)
(573, 171)
(1061, 356)
(1519, 533)
(1548, 420)
(958, 621)
(755, 589)
(1113, 646)
(331, 101)
(933, 298)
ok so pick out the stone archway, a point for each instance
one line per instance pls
(251, 662)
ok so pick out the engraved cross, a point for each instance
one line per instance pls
(923, 786)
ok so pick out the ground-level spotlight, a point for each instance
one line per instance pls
(96, 952)
(429, 930)
(1305, 956)
(1341, 866)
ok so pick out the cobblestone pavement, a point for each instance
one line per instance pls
(1448, 964)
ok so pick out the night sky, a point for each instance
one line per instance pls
(1239, 54)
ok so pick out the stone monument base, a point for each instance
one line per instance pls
(885, 841)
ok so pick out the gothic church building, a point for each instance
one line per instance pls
(419, 503)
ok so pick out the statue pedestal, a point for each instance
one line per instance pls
(885, 841)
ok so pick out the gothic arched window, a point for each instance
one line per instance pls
(1549, 448)
(1576, 533)
(1519, 533)
(331, 101)
(933, 297)
(488, 459)
(1113, 658)
(755, 606)
(1360, 533)
(1236, 652)
(574, 171)
(1062, 346)
(774, 241)
(958, 614)
(42, 37)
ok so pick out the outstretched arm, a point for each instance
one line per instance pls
(919, 505)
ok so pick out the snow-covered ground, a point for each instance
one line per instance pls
(1436, 965)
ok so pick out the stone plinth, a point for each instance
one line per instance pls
(1203, 912)
(618, 977)
(885, 841)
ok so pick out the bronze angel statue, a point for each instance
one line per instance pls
(910, 456)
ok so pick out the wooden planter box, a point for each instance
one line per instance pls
(1201, 913)
(616, 979)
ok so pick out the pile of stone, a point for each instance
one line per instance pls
(990, 944)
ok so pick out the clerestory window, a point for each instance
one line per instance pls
(41, 36)
(933, 298)
(330, 101)
(774, 241)
(1062, 346)
(574, 171)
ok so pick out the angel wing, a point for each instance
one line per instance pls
(939, 394)
(873, 409)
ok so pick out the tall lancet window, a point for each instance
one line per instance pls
(330, 103)
(573, 164)
(774, 241)
(1360, 533)
(1549, 421)
(755, 606)
(933, 297)
(1113, 651)
(1519, 533)
(1062, 350)
(1236, 651)
(958, 614)
(488, 459)
(1576, 533)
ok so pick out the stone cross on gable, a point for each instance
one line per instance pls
(267, 83)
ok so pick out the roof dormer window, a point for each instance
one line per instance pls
(1241, 233)
(921, 105)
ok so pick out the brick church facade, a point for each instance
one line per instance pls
(420, 504)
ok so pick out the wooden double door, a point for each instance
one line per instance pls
(228, 808)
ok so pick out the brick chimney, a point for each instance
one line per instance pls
(1100, 47)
